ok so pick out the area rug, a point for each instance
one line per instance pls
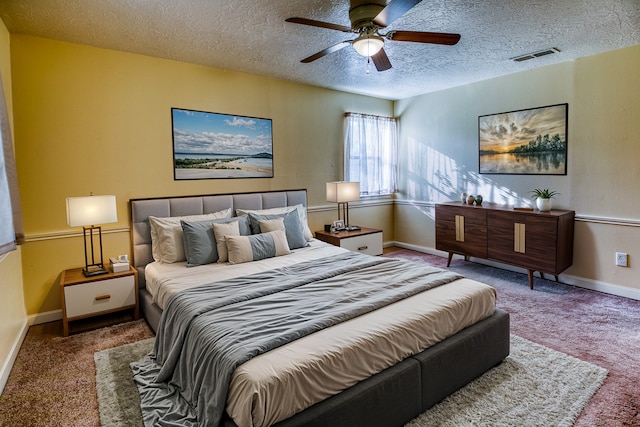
(118, 398)
(534, 386)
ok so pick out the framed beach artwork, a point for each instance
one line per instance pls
(524, 142)
(213, 146)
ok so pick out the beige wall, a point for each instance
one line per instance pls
(95, 120)
(439, 158)
(13, 316)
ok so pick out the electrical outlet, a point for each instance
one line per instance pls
(621, 259)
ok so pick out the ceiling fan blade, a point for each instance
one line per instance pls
(393, 11)
(424, 37)
(327, 51)
(381, 60)
(314, 23)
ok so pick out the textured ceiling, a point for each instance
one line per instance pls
(252, 36)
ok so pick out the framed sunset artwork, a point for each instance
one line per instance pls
(524, 142)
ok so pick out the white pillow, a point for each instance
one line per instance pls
(167, 245)
(302, 214)
(221, 232)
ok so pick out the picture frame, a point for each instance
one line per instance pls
(532, 141)
(338, 225)
(220, 146)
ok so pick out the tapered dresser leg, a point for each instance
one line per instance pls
(530, 278)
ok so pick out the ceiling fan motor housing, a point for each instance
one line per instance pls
(362, 12)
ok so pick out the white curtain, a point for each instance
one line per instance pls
(10, 215)
(370, 156)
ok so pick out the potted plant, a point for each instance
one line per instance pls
(543, 197)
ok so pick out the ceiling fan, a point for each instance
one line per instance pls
(368, 18)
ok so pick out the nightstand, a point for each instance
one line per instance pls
(84, 297)
(366, 240)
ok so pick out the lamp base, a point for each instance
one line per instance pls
(352, 228)
(94, 270)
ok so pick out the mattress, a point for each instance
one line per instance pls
(277, 384)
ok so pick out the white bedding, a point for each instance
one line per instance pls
(284, 381)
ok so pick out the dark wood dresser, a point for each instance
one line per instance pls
(534, 240)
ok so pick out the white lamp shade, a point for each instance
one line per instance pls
(368, 46)
(91, 210)
(343, 191)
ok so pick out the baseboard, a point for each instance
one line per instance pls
(604, 287)
(13, 354)
(581, 282)
(46, 317)
(34, 319)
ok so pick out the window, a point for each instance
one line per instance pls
(10, 218)
(370, 144)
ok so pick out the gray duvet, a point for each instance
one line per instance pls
(208, 331)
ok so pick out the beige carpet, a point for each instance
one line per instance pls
(53, 381)
(535, 386)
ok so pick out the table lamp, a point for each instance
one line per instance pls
(343, 192)
(86, 212)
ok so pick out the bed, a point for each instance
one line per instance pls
(385, 378)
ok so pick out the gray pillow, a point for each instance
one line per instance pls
(292, 227)
(199, 240)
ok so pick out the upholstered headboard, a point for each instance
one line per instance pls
(142, 209)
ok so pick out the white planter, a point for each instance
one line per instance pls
(543, 205)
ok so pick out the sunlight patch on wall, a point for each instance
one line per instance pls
(435, 177)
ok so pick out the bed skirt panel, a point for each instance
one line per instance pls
(453, 363)
(368, 402)
(150, 311)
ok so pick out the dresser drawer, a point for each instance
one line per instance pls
(472, 214)
(98, 296)
(370, 244)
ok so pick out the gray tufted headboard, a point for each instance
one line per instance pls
(142, 209)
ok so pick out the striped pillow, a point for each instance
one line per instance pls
(256, 247)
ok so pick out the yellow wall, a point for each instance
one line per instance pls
(439, 158)
(13, 316)
(95, 120)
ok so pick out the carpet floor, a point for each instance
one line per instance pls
(53, 380)
(534, 386)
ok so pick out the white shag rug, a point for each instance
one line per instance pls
(534, 386)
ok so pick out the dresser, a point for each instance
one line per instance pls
(534, 240)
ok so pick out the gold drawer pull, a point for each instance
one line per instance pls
(101, 297)
(459, 228)
(363, 248)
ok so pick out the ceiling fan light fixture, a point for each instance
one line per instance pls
(368, 46)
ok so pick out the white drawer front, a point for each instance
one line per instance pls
(370, 244)
(93, 297)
